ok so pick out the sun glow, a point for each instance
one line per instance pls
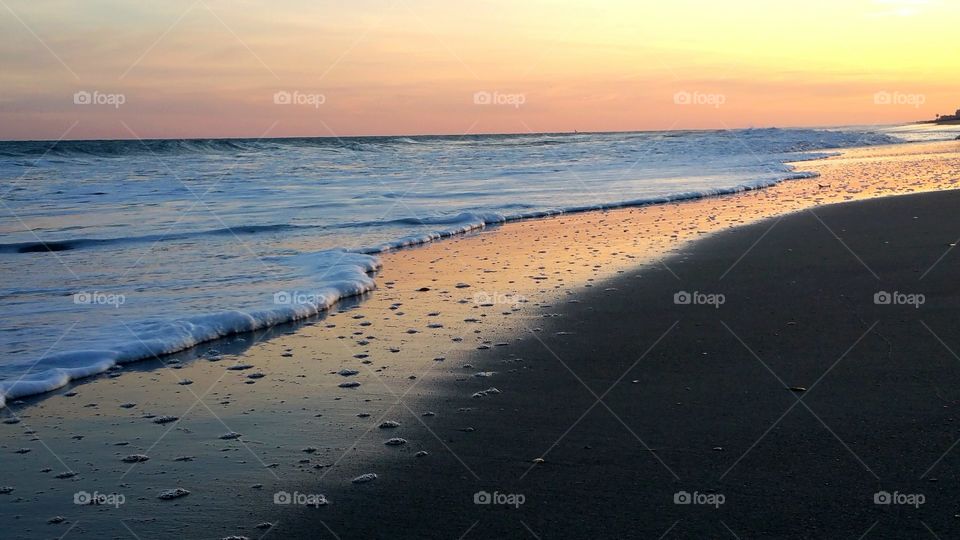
(212, 67)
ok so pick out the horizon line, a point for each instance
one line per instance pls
(457, 135)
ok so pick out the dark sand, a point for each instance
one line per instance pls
(641, 398)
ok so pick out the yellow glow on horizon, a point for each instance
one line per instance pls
(409, 66)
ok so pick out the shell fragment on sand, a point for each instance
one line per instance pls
(364, 478)
(487, 392)
(170, 494)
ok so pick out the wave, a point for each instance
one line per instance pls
(468, 221)
(346, 274)
(124, 148)
(806, 139)
(121, 148)
(43, 246)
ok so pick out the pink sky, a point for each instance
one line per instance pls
(211, 68)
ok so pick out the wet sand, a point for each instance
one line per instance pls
(495, 302)
(789, 407)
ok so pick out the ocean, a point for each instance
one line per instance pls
(117, 251)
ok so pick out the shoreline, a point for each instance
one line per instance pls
(211, 327)
(408, 346)
(789, 411)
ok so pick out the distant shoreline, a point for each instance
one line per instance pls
(952, 121)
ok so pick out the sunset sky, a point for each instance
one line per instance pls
(212, 68)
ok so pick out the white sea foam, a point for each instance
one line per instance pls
(345, 274)
(282, 215)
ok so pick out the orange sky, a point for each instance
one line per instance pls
(212, 68)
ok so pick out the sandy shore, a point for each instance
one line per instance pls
(786, 409)
(551, 313)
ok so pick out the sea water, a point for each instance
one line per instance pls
(117, 251)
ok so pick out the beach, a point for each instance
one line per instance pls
(788, 408)
(535, 270)
(716, 367)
